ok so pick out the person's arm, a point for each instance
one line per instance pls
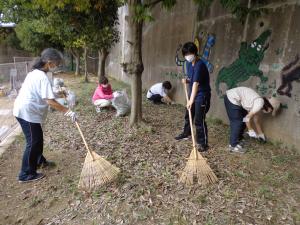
(104, 96)
(185, 81)
(256, 120)
(167, 99)
(55, 105)
(193, 95)
(253, 115)
(199, 68)
(67, 112)
(95, 95)
(47, 94)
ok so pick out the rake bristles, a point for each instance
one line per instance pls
(96, 172)
(196, 167)
(198, 170)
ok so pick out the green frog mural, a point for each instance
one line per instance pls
(247, 65)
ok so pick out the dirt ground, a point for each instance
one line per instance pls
(259, 187)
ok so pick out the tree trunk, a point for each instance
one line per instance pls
(133, 66)
(77, 62)
(85, 65)
(102, 60)
(136, 99)
(76, 55)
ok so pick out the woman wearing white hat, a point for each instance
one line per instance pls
(243, 105)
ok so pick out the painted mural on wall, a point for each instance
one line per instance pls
(210, 42)
(288, 75)
(247, 65)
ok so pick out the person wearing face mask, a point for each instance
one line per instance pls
(30, 110)
(243, 105)
(199, 96)
(103, 95)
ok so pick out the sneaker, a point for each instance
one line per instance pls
(98, 109)
(31, 178)
(237, 148)
(242, 142)
(202, 148)
(182, 136)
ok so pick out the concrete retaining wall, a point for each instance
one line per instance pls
(279, 49)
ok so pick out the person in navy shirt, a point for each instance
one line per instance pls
(199, 95)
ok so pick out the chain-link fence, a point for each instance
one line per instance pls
(12, 75)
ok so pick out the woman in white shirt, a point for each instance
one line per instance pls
(30, 109)
(243, 105)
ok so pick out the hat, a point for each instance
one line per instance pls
(275, 104)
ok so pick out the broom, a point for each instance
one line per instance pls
(196, 166)
(96, 170)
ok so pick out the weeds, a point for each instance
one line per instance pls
(35, 201)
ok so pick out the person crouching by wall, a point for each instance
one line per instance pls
(243, 106)
(103, 95)
(158, 93)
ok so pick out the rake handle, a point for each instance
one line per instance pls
(81, 134)
(191, 121)
(84, 141)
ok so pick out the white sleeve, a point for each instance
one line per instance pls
(257, 105)
(46, 89)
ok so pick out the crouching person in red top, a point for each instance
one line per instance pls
(103, 95)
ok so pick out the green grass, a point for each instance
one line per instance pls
(270, 179)
(178, 218)
(281, 159)
(35, 202)
(240, 174)
(202, 199)
(214, 121)
(265, 192)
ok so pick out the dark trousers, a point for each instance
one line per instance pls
(237, 126)
(33, 153)
(198, 110)
(156, 99)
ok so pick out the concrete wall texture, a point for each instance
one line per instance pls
(261, 53)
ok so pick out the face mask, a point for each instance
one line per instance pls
(105, 85)
(190, 58)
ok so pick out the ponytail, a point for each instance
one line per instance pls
(38, 64)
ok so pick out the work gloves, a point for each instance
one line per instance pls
(261, 137)
(71, 114)
(252, 134)
(246, 120)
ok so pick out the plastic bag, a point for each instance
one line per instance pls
(58, 82)
(58, 88)
(71, 99)
(121, 103)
